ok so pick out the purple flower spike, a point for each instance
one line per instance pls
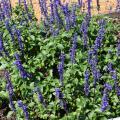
(101, 32)
(80, 2)
(61, 67)
(1, 44)
(73, 16)
(24, 108)
(20, 67)
(108, 86)
(104, 102)
(9, 88)
(118, 48)
(89, 7)
(59, 94)
(86, 85)
(18, 33)
(43, 8)
(67, 16)
(105, 99)
(84, 30)
(73, 49)
(9, 29)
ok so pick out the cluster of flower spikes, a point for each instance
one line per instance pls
(20, 67)
(93, 54)
(105, 98)
(9, 88)
(114, 77)
(55, 19)
(24, 108)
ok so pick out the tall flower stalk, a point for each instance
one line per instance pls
(9, 88)
(60, 96)
(7, 24)
(101, 33)
(67, 16)
(89, 7)
(24, 108)
(40, 96)
(18, 33)
(73, 16)
(86, 84)
(57, 16)
(114, 77)
(20, 67)
(118, 48)
(43, 8)
(105, 98)
(84, 30)
(26, 9)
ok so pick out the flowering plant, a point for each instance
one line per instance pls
(66, 67)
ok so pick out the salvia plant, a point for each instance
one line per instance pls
(67, 66)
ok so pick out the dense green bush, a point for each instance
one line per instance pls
(40, 57)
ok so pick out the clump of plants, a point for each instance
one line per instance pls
(65, 67)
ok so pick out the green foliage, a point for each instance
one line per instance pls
(41, 58)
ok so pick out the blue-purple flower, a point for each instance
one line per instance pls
(80, 2)
(51, 13)
(43, 8)
(89, 7)
(20, 67)
(57, 17)
(73, 16)
(101, 32)
(1, 44)
(105, 102)
(59, 94)
(84, 30)
(105, 98)
(40, 96)
(24, 108)
(26, 9)
(67, 16)
(86, 84)
(118, 48)
(9, 88)
(18, 33)
(118, 6)
(9, 29)
(61, 67)
(73, 48)
(6, 8)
